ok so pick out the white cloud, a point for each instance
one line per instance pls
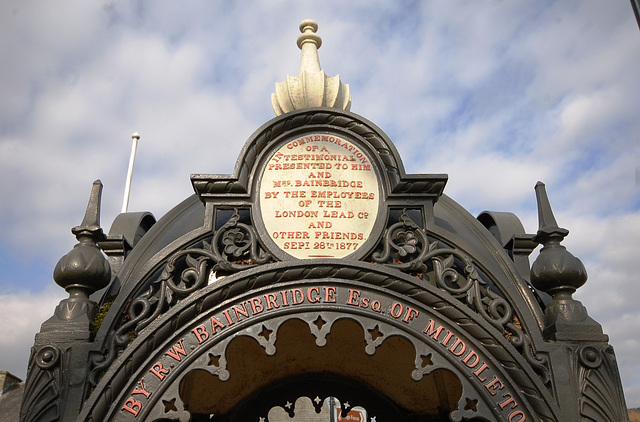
(497, 95)
(22, 313)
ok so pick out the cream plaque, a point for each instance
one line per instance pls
(319, 197)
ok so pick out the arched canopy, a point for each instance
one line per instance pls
(444, 289)
(381, 329)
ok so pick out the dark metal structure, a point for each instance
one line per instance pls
(425, 314)
(636, 10)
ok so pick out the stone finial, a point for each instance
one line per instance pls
(557, 272)
(312, 87)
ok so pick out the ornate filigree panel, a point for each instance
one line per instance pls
(468, 404)
(406, 246)
(440, 337)
(233, 247)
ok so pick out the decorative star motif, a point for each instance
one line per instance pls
(266, 333)
(261, 419)
(319, 322)
(288, 405)
(317, 400)
(375, 333)
(471, 405)
(373, 419)
(214, 360)
(347, 405)
(427, 360)
(170, 405)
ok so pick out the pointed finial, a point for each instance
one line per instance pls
(555, 269)
(84, 269)
(91, 221)
(557, 272)
(312, 87)
(547, 225)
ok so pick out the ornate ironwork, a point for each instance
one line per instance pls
(42, 401)
(233, 247)
(600, 393)
(356, 272)
(406, 246)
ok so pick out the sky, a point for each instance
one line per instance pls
(496, 94)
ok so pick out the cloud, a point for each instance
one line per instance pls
(498, 95)
(22, 313)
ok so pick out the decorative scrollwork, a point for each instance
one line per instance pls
(233, 247)
(407, 248)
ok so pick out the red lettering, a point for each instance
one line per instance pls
(480, 370)
(376, 306)
(431, 331)
(141, 390)
(177, 350)
(411, 313)
(353, 297)
(226, 315)
(399, 307)
(494, 384)
(256, 305)
(241, 311)
(216, 323)
(313, 299)
(467, 358)
(272, 301)
(132, 406)
(509, 400)
(456, 344)
(520, 413)
(295, 293)
(159, 371)
(284, 298)
(329, 295)
(446, 339)
(201, 333)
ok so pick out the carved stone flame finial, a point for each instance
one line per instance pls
(312, 87)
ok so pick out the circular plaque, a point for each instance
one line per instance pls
(319, 196)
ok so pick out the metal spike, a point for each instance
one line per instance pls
(547, 225)
(91, 221)
(545, 213)
(92, 215)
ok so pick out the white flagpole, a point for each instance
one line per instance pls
(132, 159)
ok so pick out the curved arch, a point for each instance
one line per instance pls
(322, 118)
(191, 222)
(347, 286)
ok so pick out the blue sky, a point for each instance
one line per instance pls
(496, 94)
